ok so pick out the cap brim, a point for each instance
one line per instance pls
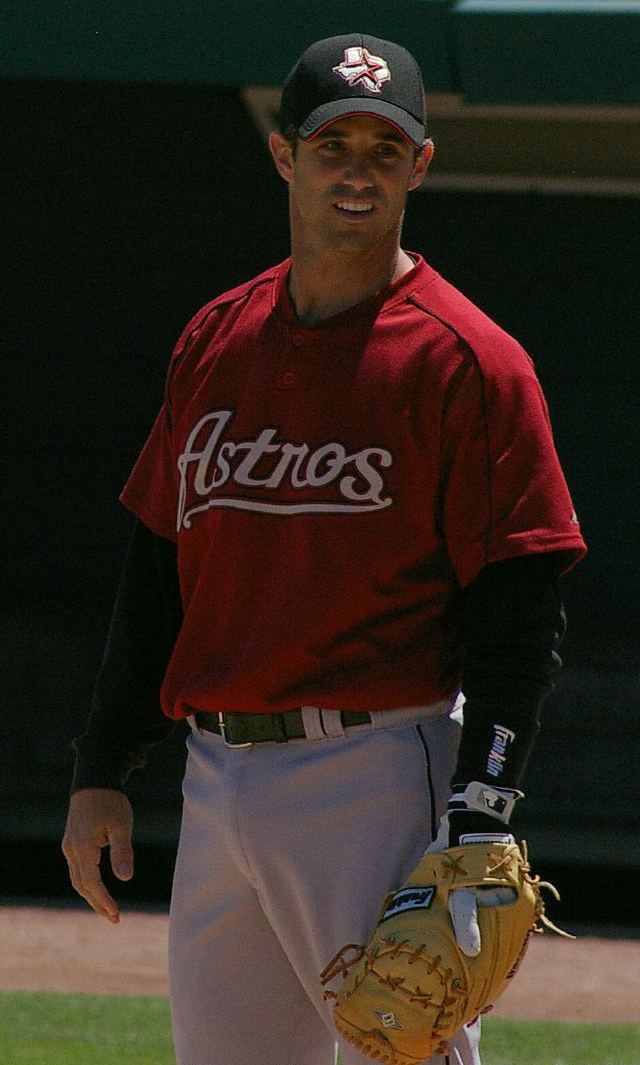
(324, 116)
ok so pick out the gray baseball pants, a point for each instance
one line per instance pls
(286, 852)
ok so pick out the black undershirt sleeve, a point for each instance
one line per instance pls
(514, 623)
(125, 717)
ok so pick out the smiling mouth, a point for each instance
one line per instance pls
(351, 207)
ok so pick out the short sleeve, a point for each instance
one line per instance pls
(151, 491)
(503, 490)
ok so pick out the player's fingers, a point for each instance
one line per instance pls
(91, 887)
(83, 860)
(499, 896)
(121, 852)
(463, 907)
(464, 917)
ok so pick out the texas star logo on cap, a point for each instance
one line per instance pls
(358, 66)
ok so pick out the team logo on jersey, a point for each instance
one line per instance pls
(274, 476)
(359, 67)
(411, 898)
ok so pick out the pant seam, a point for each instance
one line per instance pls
(430, 785)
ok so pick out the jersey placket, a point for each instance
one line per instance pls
(289, 371)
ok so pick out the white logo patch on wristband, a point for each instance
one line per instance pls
(497, 802)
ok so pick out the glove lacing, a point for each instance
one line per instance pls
(537, 884)
(339, 965)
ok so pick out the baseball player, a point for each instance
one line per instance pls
(350, 519)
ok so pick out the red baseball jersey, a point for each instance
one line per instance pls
(333, 489)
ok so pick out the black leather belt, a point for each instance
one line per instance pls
(242, 730)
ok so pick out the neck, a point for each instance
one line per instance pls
(321, 286)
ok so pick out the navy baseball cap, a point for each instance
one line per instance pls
(355, 74)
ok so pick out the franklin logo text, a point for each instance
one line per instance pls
(413, 898)
(502, 737)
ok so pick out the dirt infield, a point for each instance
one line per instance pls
(48, 949)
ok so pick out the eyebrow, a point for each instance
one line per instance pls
(392, 135)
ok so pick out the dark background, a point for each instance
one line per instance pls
(128, 206)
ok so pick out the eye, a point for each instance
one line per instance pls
(332, 145)
(388, 150)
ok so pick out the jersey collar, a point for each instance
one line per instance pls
(366, 310)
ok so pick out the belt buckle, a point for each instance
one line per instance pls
(223, 733)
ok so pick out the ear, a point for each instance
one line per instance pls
(421, 165)
(282, 155)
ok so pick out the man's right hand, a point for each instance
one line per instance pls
(98, 817)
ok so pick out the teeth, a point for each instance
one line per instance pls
(354, 205)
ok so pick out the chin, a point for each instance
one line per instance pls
(351, 238)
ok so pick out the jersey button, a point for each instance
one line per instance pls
(288, 379)
(297, 339)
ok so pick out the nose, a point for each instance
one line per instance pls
(358, 172)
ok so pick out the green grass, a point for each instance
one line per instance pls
(551, 1043)
(55, 1029)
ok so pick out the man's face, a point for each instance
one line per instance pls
(348, 186)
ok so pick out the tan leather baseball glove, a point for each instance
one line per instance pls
(410, 988)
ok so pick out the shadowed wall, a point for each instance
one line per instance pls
(129, 207)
